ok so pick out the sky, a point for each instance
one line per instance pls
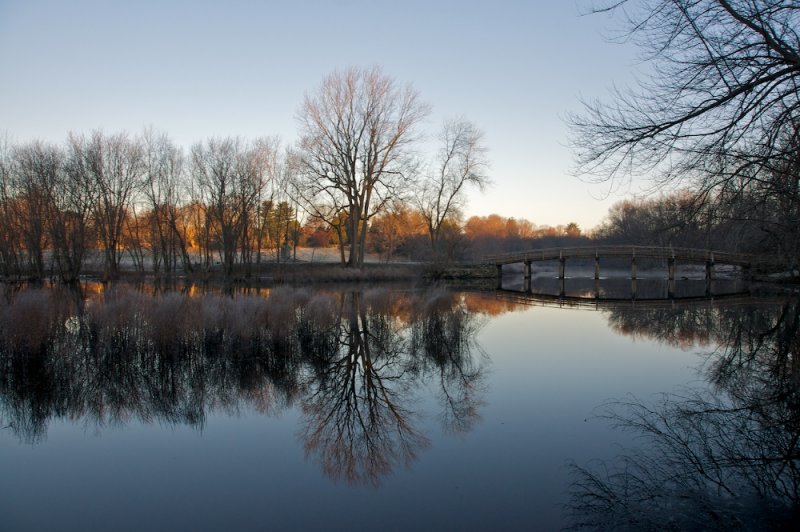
(197, 69)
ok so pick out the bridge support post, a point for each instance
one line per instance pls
(596, 265)
(711, 274)
(526, 281)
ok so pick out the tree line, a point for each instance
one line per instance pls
(140, 196)
(229, 203)
(681, 219)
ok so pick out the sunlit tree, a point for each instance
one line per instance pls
(357, 131)
(164, 191)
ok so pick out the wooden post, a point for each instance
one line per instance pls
(499, 276)
(633, 264)
(711, 274)
(671, 268)
(596, 265)
(671, 289)
(561, 265)
(596, 288)
(561, 289)
(526, 283)
(633, 288)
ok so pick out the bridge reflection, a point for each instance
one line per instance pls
(593, 292)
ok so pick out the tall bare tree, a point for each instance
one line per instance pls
(460, 162)
(36, 166)
(72, 195)
(720, 101)
(231, 175)
(213, 170)
(115, 163)
(163, 190)
(356, 133)
(259, 177)
(9, 241)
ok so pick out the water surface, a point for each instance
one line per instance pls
(134, 408)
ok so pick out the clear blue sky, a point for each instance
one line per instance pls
(197, 69)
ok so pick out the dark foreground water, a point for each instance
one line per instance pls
(132, 408)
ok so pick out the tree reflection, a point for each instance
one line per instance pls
(356, 416)
(366, 363)
(725, 458)
(355, 361)
(443, 342)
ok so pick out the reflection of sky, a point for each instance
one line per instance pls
(551, 368)
(548, 368)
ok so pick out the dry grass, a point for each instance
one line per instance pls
(27, 321)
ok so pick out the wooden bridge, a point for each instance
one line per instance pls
(670, 255)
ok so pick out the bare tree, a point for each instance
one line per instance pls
(356, 133)
(9, 241)
(718, 105)
(274, 179)
(72, 196)
(461, 161)
(230, 175)
(35, 165)
(331, 209)
(213, 169)
(164, 192)
(258, 176)
(115, 163)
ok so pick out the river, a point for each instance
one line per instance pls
(139, 407)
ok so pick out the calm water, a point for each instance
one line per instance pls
(133, 408)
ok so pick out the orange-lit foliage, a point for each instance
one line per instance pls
(498, 226)
(392, 229)
(317, 234)
(493, 225)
